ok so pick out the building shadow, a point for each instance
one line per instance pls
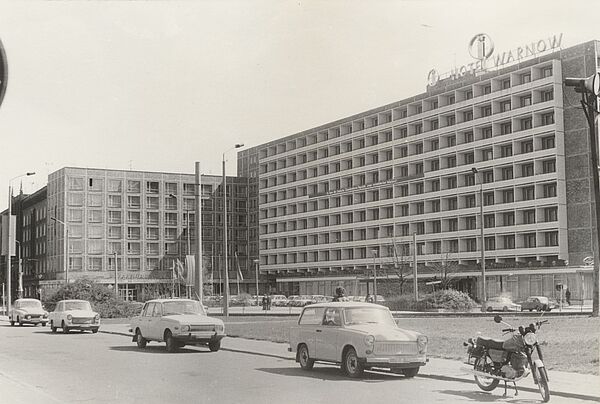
(157, 349)
(331, 373)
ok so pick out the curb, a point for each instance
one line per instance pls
(423, 375)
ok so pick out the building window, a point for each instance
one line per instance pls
(453, 246)
(549, 190)
(133, 186)
(509, 242)
(468, 94)
(529, 240)
(170, 219)
(451, 182)
(435, 185)
(488, 198)
(133, 233)
(487, 89)
(490, 243)
(525, 100)
(471, 244)
(527, 146)
(525, 78)
(452, 203)
(435, 165)
(508, 219)
(435, 205)
(95, 216)
(420, 228)
(508, 196)
(548, 118)
(75, 215)
(529, 216)
(469, 137)
(420, 208)
(451, 99)
(451, 141)
(547, 95)
(489, 221)
(527, 170)
(467, 116)
(505, 128)
(547, 71)
(487, 154)
(451, 161)
(435, 124)
(549, 166)
(526, 123)
(133, 264)
(450, 120)
(486, 132)
(470, 201)
(507, 173)
(171, 188)
(505, 83)
(152, 187)
(419, 189)
(551, 214)
(133, 201)
(471, 222)
(486, 110)
(453, 224)
(506, 150)
(505, 106)
(488, 176)
(115, 232)
(551, 238)
(469, 158)
(548, 142)
(151, 217)
(133, 248)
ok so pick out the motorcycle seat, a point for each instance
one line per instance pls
(490, 343)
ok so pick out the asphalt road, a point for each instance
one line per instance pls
(104, 368)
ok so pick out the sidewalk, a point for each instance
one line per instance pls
(565, 384)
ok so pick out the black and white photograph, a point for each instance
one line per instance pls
(299, 202)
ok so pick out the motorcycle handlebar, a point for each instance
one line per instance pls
(508, 330)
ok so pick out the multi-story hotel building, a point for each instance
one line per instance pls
(142, 223)
(340, 199)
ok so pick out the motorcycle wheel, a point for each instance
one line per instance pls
(482, 365)
(543, 384)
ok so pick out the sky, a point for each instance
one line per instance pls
(157, 85)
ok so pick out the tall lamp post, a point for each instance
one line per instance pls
(256, 272)
(374, 254)
(483, 284)
(65, 247)
(226, 267)
(20, 285)
(189, 244)
(590, 90)
(9, 248)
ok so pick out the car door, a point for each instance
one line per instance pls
(327, 335)
(310, 321)
(56, 315)
(155, 326)
(145, 319)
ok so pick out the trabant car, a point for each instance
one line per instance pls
(28, 311)
(357, 336)
(538, 303)
(177, 322)
(74, 315)
(500, 303)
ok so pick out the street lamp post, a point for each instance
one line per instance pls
(20, 286)
(374, 254)
(484, 292)
(226, 267)
(9, 247)
(116, 277)
(256, 272)
(65, 247)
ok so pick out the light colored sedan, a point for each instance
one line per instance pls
(500, 304)
(74, 315)
(177, 322)
(28, 311)
(358, 336)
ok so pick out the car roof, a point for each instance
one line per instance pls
(27, 299)
(171, 300)
(347, 304)
(73, 300)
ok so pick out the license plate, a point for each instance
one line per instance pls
(397, 359)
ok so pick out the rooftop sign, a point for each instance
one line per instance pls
(481, 48)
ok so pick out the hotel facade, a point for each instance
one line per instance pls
(343, 203)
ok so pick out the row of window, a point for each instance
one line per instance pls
(429, 104)
(437, 247)
(442, 141)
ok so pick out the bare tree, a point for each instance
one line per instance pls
(445, 270)
(400, 266)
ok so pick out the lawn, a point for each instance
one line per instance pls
(572, 341)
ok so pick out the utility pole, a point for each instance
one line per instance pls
(415, 283)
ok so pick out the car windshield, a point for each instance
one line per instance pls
(183, 307)
(368, 315)
(78, 306)
(31, 304)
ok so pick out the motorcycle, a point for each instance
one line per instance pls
(509, 360)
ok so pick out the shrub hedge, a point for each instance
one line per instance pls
(449, 299)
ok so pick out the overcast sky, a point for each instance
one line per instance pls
(159, 85)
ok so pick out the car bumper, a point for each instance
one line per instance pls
(394, 362)
(199, 338)
(34, 320)
(82, 326)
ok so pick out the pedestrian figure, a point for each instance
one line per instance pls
(264, 302)
(568, 296)
(340, 294)
(268, 301)
(369, 298)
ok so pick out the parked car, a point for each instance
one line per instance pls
(28, 311)
(359, 336)
(291, 300)
(279, 300)
(319, 299)
(538, 303)
(177, 322)
(500, 303)
(304, 300)
(74, 315)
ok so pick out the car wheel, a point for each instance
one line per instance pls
(170, 343)
(52, 327)
(139, 340)
(505, 308)
(12, 322)
(214, 346)
(489, 308)
(94, 330)
(20, 322)
(43, 324)
(304, 359)
(65, 329)
(410, 372)
(350, 364)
